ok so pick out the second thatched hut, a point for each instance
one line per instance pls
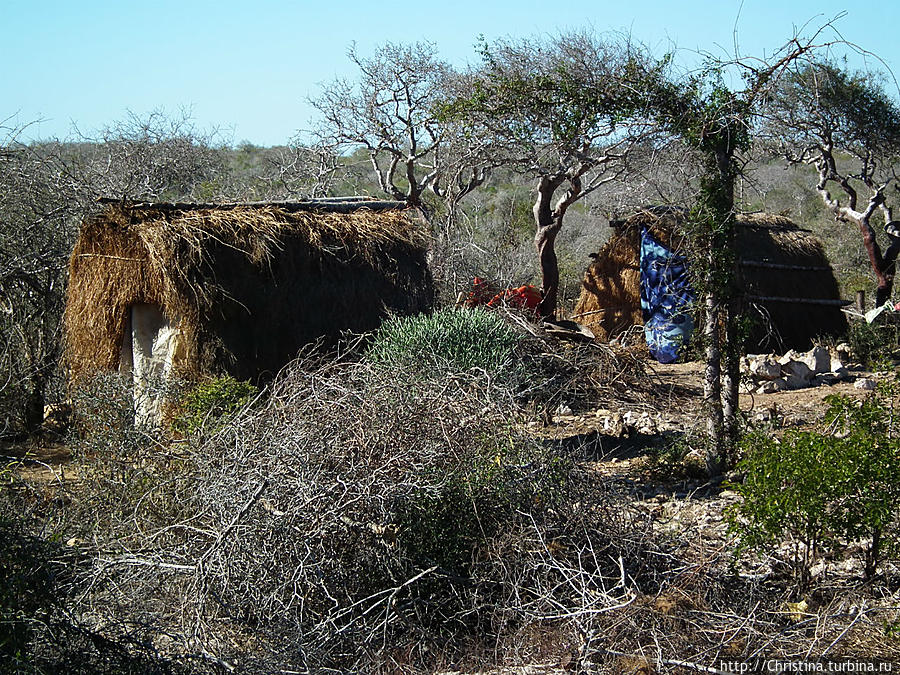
(188, 290)
(790, 292)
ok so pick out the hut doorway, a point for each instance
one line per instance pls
(149, 346)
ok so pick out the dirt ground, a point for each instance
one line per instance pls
(679, 398)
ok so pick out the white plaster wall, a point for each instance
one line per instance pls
(148, 351)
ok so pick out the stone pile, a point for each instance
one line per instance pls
(768, 373)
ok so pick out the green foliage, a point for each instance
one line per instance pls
(873, 343)
(210, 403)
(676, 460)
(450, 339)
(819, 489)
(853, 106)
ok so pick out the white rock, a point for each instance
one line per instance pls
(797, 371)
(791, 355)
(771, 386)
(818, 359)
(764, 366)
(865, 383)
(614, 426)
(647, 427)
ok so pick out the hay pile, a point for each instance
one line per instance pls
(790, 292)
(247, 284)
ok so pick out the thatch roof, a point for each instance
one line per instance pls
(789, 288)
(248, 283)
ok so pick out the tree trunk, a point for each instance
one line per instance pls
(882, 266)
(720, 385)
(34, 405)
(548, 222)
(712, 388)
(731, 378)
(545, 242)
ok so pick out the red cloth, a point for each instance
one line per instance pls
(481, 292)
(523, 297)
(485, 293)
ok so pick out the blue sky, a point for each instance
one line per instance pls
(248, 68)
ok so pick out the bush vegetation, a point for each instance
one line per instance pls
(874, 344)
(824, 490)
(361, 516)
(449, 340)
(208, 404)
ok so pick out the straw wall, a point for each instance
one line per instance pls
(248, 286)
(790, 292)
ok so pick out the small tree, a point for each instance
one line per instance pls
(847, 127)
(561, 111)
(824, 489)
(720, 124)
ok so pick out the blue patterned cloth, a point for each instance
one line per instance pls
(666, 299)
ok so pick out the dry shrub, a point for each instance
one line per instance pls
(367, 519)
(363, 518)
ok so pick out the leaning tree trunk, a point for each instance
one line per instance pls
(545, 242)
(882, 265)
(548, 222)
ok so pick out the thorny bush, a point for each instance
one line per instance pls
(366, 519)
(360, 518)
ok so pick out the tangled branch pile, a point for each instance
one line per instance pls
(372, 517)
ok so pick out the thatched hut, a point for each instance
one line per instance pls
(790, 292)
(195, 289)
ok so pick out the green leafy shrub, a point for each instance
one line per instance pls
(820, 489)
(209, 403)
(873, 343)
(450, 339)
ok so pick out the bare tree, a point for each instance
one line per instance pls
(846, 126)
(34, 243)
(154, 157)
(302, 171)
(562, 111)
(392, 112)
(46, 188)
